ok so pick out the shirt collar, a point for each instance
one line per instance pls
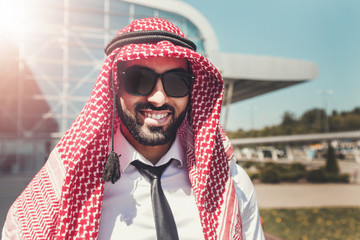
(127, 153)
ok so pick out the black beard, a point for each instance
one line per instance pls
(155, 135)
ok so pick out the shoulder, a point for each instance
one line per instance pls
(43, 192)
(245, 192)
(243, 185)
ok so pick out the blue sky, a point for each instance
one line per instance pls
(326, 32)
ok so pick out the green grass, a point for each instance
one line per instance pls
(313, 223)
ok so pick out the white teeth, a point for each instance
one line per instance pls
(155, 116)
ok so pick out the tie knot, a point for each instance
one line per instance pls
(150, 172)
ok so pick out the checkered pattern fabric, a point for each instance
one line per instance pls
(64, 200)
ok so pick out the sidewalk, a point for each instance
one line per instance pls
(268, 236)
(307, 195)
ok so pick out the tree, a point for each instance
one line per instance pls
(356, 110)
(288, 123)
(331, 161)
(288, 119)
(312, 120)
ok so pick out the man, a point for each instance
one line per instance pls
(168, 99)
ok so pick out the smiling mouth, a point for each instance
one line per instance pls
(156, 116)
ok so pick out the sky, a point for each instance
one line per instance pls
(326, 32)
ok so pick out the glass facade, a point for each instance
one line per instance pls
(54, 66)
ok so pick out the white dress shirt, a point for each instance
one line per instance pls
(127, 209)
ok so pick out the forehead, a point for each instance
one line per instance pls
(158, 64)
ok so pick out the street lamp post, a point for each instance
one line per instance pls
(325, 95)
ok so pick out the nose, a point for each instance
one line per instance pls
(158, 96)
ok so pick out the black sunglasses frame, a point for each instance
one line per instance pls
(181, 73)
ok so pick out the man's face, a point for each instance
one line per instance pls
(152, 119)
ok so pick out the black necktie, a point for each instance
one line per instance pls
(164, 220)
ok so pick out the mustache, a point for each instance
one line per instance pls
(152, 107)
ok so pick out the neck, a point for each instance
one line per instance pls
(151, 153)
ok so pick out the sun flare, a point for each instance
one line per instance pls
(12, 18)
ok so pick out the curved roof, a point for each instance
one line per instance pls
(252, 67)
(253, 75)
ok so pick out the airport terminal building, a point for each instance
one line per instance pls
(47, 75)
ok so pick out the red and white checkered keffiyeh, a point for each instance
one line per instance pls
(64, 199)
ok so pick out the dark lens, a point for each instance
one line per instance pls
(177, 84)
(139, 82)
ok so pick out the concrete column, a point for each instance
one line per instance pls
(229, 93)
(274, 154)
(289, 153)
(357, 154)
(260, 154)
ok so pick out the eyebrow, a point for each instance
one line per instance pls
(144, 67)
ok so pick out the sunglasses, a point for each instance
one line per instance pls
(141, 81)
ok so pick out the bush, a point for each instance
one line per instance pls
(252, 168)
(338, 178)
(253, 175)
(293, 172)
(250, 163)
(292, 176)
(298, 167)
(317, 176)
(322, 176)
(269, 174)
(275, 173)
